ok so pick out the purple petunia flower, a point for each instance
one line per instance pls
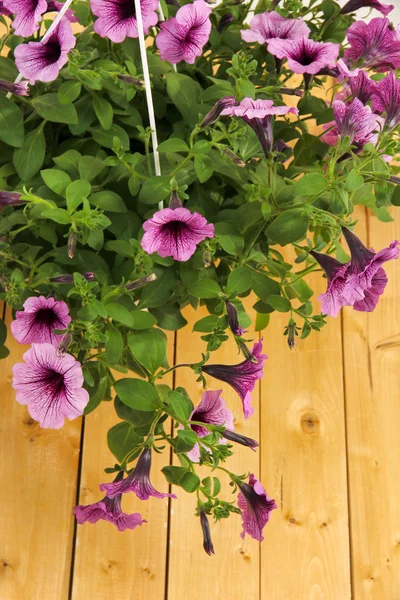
(332, 300)
(28, 14)
(38, 61)
(51, 385)
(355, 121)
(37, 322)
(353, 5)
(241, 377)
(3, 10)
(271, 25)
(212, 410)
(386, 99)
(217, 109)
(258, 114)
(18, 89)
(175, 232)
(305, 55)
(256, 506)
(233, 319)
(361, 86)
(138, 481)
(117, 18)
(182, 37)
(375, 44)
(10, 199)
(53, 5)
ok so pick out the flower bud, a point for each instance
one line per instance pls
(291, 92)
(232, 436)
(219, 106)
(68, 278)
(132, 80)
(207, 541)
(175, 201)
(134, 285)
(233, 319)
(10, 199)
(18, 89)
(65, 342)
(71, 244)
(207, 259)
(235, 159)
(224, 22)
(291, 333)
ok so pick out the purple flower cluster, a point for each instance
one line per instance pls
(28, 14)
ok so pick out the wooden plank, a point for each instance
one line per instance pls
(372, 376)
(233, 572)
(114, 565)
(38, 477)
(303, 465)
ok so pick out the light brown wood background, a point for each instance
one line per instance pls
(328, 416)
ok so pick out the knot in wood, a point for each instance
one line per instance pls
(310, 423)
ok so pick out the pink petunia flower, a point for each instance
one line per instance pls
(175, 232)
(375, 44)
(3, 10)
(386, 99)
(332, 300)
(353, 5)
(50, 384)
(271, 25)
(242, 377)
(256, 507)
(37, 322)
(38, 61)
(138, 481)
(258, 115)
(117, 18)
(183, 37)
(54, 6)
(305, 55)
(28, 14)
(355, 121)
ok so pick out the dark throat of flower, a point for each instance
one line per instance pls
(53, 51)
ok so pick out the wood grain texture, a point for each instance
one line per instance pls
(110, 564)
(38, 471)
(233, 572)
(303, 465)
(372, 374)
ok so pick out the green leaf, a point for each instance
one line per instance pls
(155, 189)
(59, 215)
(69, 91)
(185, 93)
(141, 420)
(206, 324)
(262, 321)
(203, 167)
(309, 184)
(4, 352)
(97, 396)
(180, 407)
(122, 439)
(157, 293)
(181, 476)
(186, 440)
(3, 332)
(29, 159)
(169, 317)
(106, 138)
(290, 226)
(173, 145)
(104, 111)
(148, 347)
(239, 280)
(68, 161)
(114, 344)
(353, 181)
(137, 394)
(76, 193)
(90, 167)
(50, 108)
(11, 123)
(142, 319)
(204, 288)
(56, 180)
(229, 238)
(118, 312)
(108, 201)
(263, 286)
(279, 303)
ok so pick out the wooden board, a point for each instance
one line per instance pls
(233, 572)
(110, 564)
(372, 375)
(303, 465)
(38, 470)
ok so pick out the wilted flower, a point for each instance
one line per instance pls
(182, 37)
(224, 22)
(258, 114)
(233, 319)
(28, 14)
(51, 385)
(71, 244)
(138, 481)
(354, 5)
(175, 232)
(207, 541)
(374, 44)
(305, 55)
(37, 322)
(10, 199)
(69, 278)
(131, 80)
(386, 99)
(256, 507)
(135, 285)
(271, 25)
(235, 159)
(355, 121)
(18, 89)
(117, 18)
(241, 377)
(42, 61)
(217, 109)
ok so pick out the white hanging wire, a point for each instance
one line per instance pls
(48, 33)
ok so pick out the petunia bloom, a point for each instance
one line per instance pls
(28, 14)
(355, 121)
(183, 37)
(271, 25)
(117, 18)
(138, 481)
(37, 322)
(53, 5)
(242, 377)
(386, 99)
(18, 89)
(3, 10)
(332, 300)
(256, 507)
(212, 410)
(51, 385)
(38, 61)
(175, 232)
(258, 115)
(353, 5)
(233, 319)
(361, 86)
(10, 199)
(375, 44)
(305, 55)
